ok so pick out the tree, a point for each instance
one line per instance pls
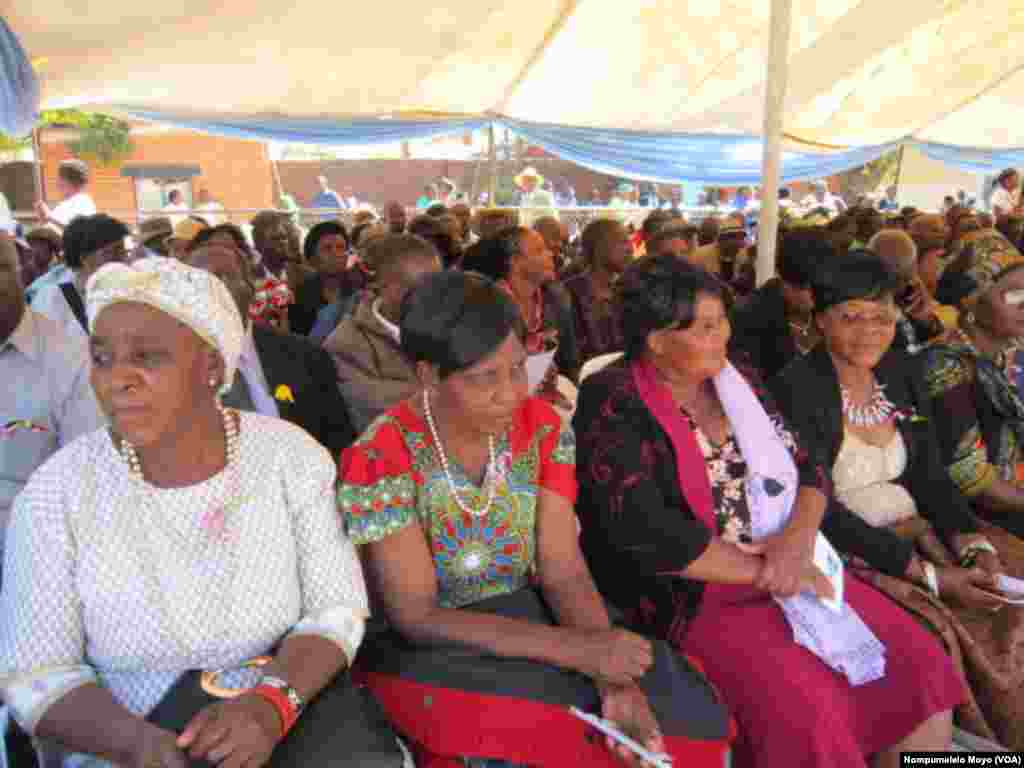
(872, 177)
(101, 140)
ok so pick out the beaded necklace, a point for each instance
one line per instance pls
(490, 477)
(876, 411)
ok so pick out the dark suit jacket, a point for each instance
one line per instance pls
(807, 392)
(558, 312)
(308, 372)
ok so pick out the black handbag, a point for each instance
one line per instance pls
(343, 726)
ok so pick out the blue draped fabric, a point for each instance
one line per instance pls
(19, 87)
(660, 157)
(321, 131)
(710, 159)
(973, 159)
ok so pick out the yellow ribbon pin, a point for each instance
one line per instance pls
(283, 393)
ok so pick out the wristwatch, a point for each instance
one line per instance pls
(282, 685)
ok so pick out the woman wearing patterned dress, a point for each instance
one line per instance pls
(462, 498)
(186, 537)
(974, 376)
(864, 409)
(699, 507)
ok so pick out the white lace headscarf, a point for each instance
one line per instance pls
(193, 296)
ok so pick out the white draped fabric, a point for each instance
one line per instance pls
(862, 72)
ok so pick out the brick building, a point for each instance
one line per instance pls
(236, 172)
(240, 175)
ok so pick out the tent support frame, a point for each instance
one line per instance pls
(775, 99)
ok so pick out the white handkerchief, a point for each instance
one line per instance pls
(536, 367)
(841, 640)
(1010, 586)
(829, 563)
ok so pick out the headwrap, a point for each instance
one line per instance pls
(981, 259)
(192, 296)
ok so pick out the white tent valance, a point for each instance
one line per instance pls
(862, 72)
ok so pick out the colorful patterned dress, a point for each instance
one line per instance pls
(392, 477)
(983, 414)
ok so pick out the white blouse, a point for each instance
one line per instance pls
(114, 581)
(865, 478)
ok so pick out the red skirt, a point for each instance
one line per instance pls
(454, 703)
(794, 711)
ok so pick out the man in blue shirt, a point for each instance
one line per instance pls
(327, 198)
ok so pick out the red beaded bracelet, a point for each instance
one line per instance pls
(285, 709)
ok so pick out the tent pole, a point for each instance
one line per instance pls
(899, 170)
(492, 151)
(774, 104)
(37, 150)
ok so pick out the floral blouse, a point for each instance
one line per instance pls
(392, 477)
(638, 531)
(727, 472)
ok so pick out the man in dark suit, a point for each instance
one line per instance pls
(279, 374)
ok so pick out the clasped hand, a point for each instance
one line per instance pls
(239, 733)
(788, 566)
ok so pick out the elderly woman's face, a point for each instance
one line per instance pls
(1001, 310)
(698, 351)
(226, 264)
(149, 371)
(489, 393)
(859, 333)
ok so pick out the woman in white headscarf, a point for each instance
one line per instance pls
(187, 537)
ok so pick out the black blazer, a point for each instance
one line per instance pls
(309, 374)
(807, 392)
(558, 307)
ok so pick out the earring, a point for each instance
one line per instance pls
(213, 383)
(969, 318)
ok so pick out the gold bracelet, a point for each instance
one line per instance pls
(210, 681)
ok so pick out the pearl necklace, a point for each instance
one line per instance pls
(875, 412)
(490, 478)
(131, 455)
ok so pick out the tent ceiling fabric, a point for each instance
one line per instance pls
(862, 72)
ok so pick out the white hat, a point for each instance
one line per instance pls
(193, 296)
(529, 172)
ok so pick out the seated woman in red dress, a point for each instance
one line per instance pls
(462, 499)
(700, 517)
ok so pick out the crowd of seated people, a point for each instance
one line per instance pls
(404, 494)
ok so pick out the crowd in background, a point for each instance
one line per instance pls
(484, 468)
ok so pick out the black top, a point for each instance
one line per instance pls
(760, 332)
(309, 374)
(808, 393)
(309, 298)
(638, 530)
(558, 314)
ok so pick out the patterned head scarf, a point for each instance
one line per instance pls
(192, 296)
(980, 263)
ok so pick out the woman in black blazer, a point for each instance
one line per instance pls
(862, 407)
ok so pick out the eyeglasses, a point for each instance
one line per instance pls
(882, 318)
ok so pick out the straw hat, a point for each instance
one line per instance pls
(528, 173)
(156, 227)
(186, 230)
(48, 234)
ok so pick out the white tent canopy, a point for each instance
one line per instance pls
(862, 72)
